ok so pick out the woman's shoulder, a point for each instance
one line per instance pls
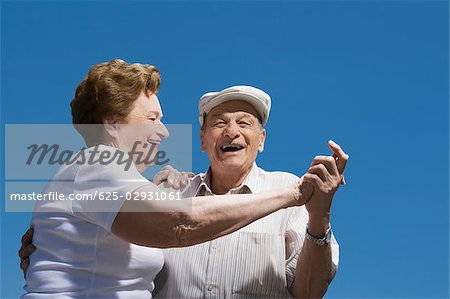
(103, 162)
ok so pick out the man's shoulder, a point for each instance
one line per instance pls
(277, 174)
(198, 178)
(274, 179)
(194, 183)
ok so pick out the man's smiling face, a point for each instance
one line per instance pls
(232, 135)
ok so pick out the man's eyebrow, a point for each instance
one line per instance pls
(246, 115)
(217, 115)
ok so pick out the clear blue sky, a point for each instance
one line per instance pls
(372, 75)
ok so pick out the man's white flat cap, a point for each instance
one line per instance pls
(256, 97)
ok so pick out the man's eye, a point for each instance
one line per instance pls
(151, 118)
(244, 123)
(219, 123)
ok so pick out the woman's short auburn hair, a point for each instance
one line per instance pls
(110, 89)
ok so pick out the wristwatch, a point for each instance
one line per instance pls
(321, 242)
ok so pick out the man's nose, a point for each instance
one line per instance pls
(232, 130)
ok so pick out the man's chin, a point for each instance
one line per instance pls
(233, 163)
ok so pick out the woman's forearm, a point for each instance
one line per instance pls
(215, 216)
(209, 218)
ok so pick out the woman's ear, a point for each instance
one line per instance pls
(111, 127)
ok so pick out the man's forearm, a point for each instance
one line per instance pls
(314, 270)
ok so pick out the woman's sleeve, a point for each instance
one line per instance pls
(101, 190)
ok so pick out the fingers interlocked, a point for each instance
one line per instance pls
(327, 172)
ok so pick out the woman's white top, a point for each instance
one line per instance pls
(77, 256)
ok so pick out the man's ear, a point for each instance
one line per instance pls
(203, 147)
(262, 140)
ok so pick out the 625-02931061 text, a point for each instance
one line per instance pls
(56, 196)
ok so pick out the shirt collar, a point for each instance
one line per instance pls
(250, 181)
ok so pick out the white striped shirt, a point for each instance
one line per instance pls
(257, 261)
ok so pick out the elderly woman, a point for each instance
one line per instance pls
(110, 248)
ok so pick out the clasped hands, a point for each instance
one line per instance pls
(318, 185)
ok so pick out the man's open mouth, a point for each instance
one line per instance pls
(231, 147)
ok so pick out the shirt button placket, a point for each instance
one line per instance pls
(210, 273)
(211, 287)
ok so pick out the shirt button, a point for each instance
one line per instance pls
(209, 288)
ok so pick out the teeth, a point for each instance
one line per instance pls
(231, 146)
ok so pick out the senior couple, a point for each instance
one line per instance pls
(250, 233)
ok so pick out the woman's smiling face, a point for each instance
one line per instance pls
(142, 131)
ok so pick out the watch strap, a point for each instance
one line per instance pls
(322, 241)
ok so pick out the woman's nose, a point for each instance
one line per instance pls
(162, 130)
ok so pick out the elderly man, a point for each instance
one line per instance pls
(288, 253)
(291, 252)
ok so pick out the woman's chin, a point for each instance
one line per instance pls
(141, 167)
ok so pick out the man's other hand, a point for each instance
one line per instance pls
(26, 250)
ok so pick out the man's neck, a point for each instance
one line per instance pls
(223, 180)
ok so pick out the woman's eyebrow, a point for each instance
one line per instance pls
(153, 113)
